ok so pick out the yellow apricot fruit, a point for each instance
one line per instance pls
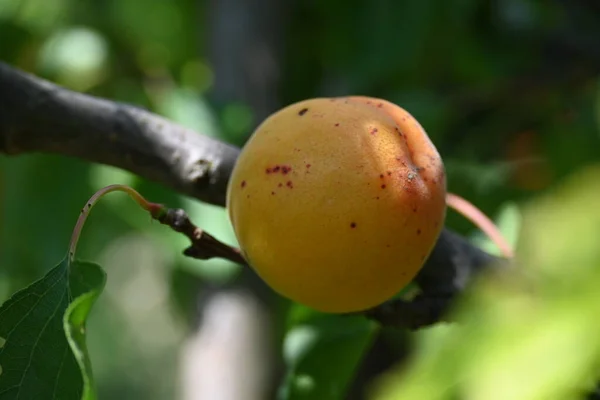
(337, 202)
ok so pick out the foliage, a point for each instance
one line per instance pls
(43, 331)
(315, 338)
(530, 332)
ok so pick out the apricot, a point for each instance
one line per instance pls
(337, 202)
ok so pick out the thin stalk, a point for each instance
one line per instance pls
(480, 220)
(153, 208)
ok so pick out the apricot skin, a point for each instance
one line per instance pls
(336, 203)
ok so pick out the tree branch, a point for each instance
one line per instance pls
(452, 264)
(39, 117)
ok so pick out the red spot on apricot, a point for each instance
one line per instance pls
(289, 184)
(338, 124)
(381, 176)
(379, 105)
(280, 185)
(243, 184)
(302, 112)
(272, 193)
(414, 209)
(353, 225)
(373, 131)
(284, 169)
(307, 165)
(389, 173)
(383, 186)
(418, 231)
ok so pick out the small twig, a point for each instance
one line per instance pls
(204, 245)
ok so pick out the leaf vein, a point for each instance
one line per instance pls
(62, 363)
(39, 296)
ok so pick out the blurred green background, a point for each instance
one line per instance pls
(508, 90)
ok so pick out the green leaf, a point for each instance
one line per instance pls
(341, 340)
(537, 320)
(44, 355)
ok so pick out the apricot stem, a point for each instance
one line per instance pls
(472, 213)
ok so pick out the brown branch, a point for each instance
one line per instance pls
(39, 117)
(203, 246)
